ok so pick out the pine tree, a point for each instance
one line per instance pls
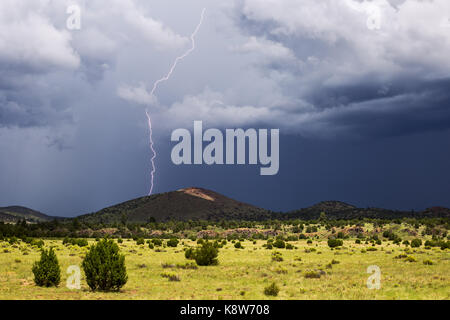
(104, 267)
(46, 271)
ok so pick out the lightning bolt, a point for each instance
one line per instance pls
(152, 93)
(152, 173)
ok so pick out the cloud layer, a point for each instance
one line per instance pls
(74, 100)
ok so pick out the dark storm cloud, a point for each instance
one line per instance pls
(312, 68)
(426, 109)
(357, 81)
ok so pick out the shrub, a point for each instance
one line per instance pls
(206, 255)
(415, 243)
(46, 271)
(104, 267)
(187, 265)
(151, 246)
(119, 240)
(276, 256)
(238, 245)
(410, 259)
(217, 244)
(312, 275)
(172, 243)
(357, 241)
(189, 254)
(281, 270)
(289, 246)
(272, 290)
(279, 244)
(37, 243)
(171, 276)
(309, 241)
(157, 242)
(76, 242)
(332, 243)
(428, 262)
(140, 241)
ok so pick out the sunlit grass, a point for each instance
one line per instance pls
(242, 273)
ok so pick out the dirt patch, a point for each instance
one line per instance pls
(197, 193)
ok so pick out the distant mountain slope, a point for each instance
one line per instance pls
(16, 213)
(184, 204)
(341, 210)
(332, 206)
(202, 204)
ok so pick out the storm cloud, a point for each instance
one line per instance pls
(72, 101)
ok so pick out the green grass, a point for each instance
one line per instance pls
(242, 273)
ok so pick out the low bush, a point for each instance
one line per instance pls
(271, 290)
(334, 261)
(277, 256)
(75, 242)
(410, 259)
(187, 265)
(172, 243)
(279, 244)
(157, 242)
(415, 243)
(189, 254)
(171, 276)
(312, 275)
(333, 243)
(206, 255)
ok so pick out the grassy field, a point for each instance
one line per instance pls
(242, 273)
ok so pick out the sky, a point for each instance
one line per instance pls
(358, 89)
